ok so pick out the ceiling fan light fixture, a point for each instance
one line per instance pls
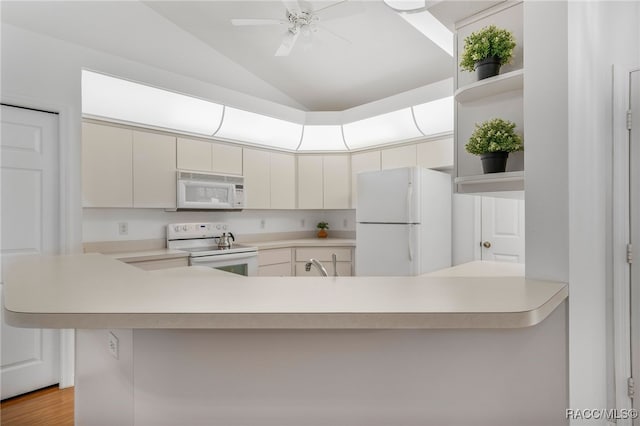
(406, 5)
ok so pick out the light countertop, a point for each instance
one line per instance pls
(98, 291)
(141, 256)
(302, 242)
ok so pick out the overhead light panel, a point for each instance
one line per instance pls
(123, 100)
(391, 127)
(244, 126)
(322, 138)
(435, 117)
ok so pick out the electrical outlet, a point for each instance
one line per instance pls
(262, 223)
(344, 223)
(302, 223)
(123, 228)
(114, 348)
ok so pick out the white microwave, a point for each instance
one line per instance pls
(200, 191)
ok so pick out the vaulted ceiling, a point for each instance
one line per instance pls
(362, 52)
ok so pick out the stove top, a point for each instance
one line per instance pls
(201, 239)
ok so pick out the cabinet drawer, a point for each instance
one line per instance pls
(151, 265)
(323, 254)
(279, 270)
(273, 256)
(344, 269)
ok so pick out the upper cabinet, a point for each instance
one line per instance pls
(107, 166)
(494, 97)
(212, 157)
(362, 162)
(154, 171)
(270, 179)
(402, 156)
(127, 168)
(324, 181)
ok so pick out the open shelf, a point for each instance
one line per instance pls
(507, 181)
(491, 86)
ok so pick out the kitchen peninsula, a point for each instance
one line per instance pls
(195, 346)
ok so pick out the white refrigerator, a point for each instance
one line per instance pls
(403, 222)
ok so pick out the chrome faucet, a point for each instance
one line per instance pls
(318, 265)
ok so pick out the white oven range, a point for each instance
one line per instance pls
(207, 247)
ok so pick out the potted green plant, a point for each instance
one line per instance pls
(486, 50)
(493, 140)
(322, 226)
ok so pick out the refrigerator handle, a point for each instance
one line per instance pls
(410, 228)
(409, 197)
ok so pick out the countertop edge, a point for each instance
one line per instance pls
(373, 320)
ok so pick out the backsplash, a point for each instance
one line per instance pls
(147, 224)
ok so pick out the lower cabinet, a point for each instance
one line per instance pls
(323, 254)
(285, 262)
(274, 262)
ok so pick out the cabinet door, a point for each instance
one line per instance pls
(362, 162)
(194, 155)
(283, 181)
(403, 156)
(277, 270)
(227, 159)
(336, 181)
(310, 193)
(107, 166)
(436, 154)
(154, 170)
(257, 181)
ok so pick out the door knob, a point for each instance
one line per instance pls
(486, 244)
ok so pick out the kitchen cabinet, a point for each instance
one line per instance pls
(323, 181)
(479, 100)
(257, 180)
(437, 154)
(211, 157)
(269, 179)
(335, 178)
(402, 156)
(154, 171)
(282, 173)
(344, 258)
(274, 262)
(362, 162)
(310, 185)
(127, 168)
(107, 166)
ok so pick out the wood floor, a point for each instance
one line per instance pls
(46, 407)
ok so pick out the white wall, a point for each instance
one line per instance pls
(102, 224)
(601, 34)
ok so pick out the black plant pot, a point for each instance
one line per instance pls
(488, 67)
(494, 162)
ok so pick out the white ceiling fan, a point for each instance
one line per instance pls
(297, 21)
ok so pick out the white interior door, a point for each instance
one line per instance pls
(634, 203)
(502, 235)
(30, 222)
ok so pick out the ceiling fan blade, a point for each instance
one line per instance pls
(292, 5)
(330, 31)
(252, 22)
(287, 44)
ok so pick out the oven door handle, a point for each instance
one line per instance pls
(223, 257)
